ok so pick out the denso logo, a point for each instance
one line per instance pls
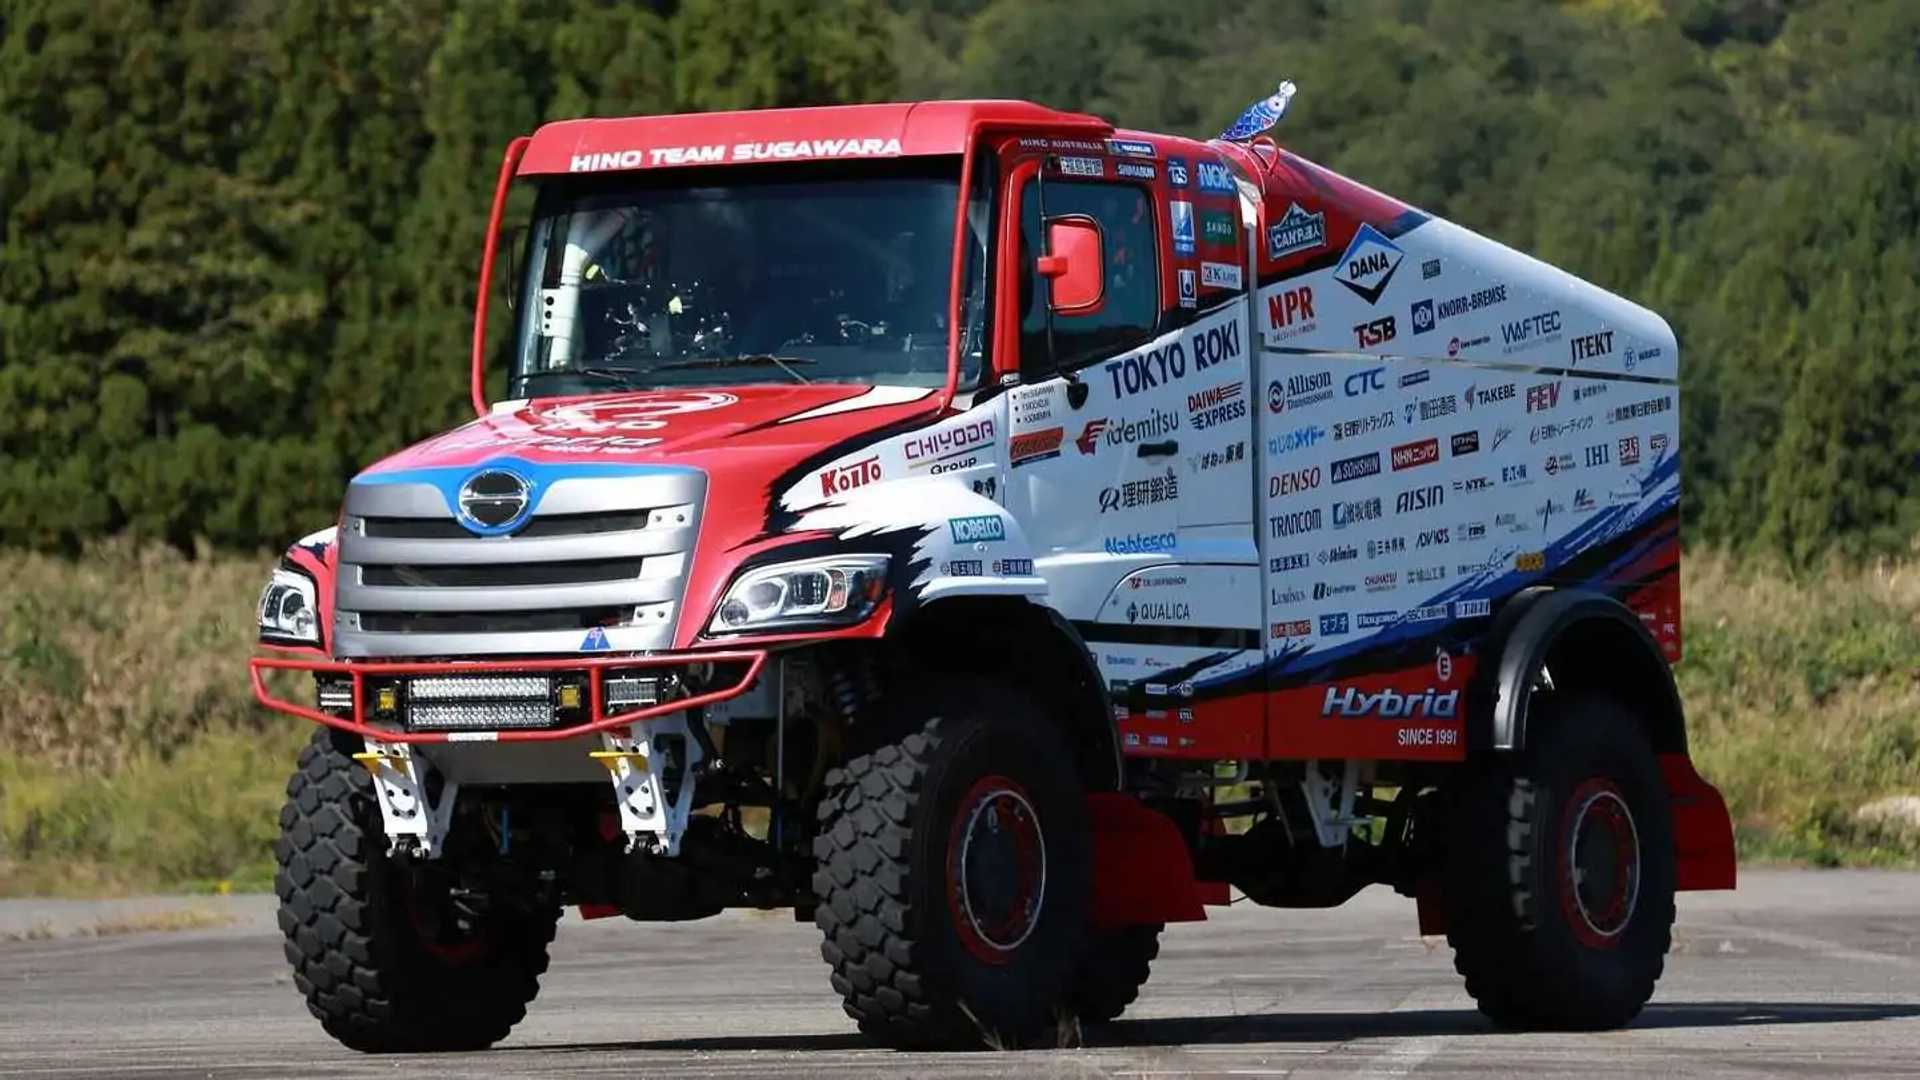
(1414, 454)
(1391, 704)
(844, 478)
(1293, 483)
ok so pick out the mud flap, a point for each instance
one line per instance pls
(1702, 828)
(1142, 870)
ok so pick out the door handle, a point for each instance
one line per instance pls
(1158, 449)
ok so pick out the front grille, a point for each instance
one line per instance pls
(581, 572)
(484, 622)
(395, 528)
(599, 566)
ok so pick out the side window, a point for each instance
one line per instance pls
(1132, 307)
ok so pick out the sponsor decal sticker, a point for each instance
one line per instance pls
(1296, 231)
(1214, 176)
(982, 528)
(1367, 266)
(1356, 511)
(1466, 442)
(1537, 329)
(1130, 148)
(1139, 543)
(1215, 275)
(1180, 214)
(844, 478)
(1377, 332)
(1349, 701)
(1356, 467)
(1189, 287)
(1589, 346)
(1090, 167)
(1177, 172)
(1414, 454)
(1134, 170)
(1035, 446)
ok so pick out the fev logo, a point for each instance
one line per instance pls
(1368, 264)
(1180, 214)
(977, 529)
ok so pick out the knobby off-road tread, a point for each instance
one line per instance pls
(356, 957)
(861, 850)
(1116, 967)
(1499, 808)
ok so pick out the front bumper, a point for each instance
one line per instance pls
(735, 671)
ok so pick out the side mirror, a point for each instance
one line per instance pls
(1076, 264)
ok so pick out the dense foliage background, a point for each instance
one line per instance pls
(238, 238)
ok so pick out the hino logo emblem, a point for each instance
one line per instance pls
(494, 500)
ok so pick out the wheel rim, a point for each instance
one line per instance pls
(451, 936)
(1599, 864)
(996, 869)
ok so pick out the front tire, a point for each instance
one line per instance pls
(1561, 873)
(387, 962)
(953, 873)
(1116, 967)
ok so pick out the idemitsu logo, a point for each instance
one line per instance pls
(1391, 704)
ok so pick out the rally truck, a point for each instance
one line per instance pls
(993, 536)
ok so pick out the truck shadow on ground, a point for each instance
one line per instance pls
(1304, 1027)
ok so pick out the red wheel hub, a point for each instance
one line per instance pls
(996, 869)
(1599, 863)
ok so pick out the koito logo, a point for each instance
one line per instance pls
(844, 478)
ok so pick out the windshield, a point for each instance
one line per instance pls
(809, 273)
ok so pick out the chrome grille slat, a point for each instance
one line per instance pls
(600, 550)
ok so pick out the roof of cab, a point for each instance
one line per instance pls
(831, 132)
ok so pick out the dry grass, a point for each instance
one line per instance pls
(132, 756)
(146, 923)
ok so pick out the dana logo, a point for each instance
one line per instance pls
(1354, 468)
(1391, 704)
(1214, 177)
(1290, 311)
(844, 478)
(980, 529)
(1333, 625)
(1296, 231)
(1414, 454)
(1368, 264)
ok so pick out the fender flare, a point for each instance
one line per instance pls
(1523, 634)
(1090, 671)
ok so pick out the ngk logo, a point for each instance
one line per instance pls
(1391, 704)
(844, 478)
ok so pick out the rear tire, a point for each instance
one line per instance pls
(1561, 873)
(384, 961)
(953, 873)
(1116, 967)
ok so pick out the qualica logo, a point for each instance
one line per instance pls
(1391, 704)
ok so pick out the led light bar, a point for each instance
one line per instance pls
(478, 687)
(480, 714)
(334, 694)
(627, 692)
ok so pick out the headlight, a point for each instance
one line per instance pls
(289, 610)
(832, 591)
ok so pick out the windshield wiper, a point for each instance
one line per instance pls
(622, 377)
(784, 363)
